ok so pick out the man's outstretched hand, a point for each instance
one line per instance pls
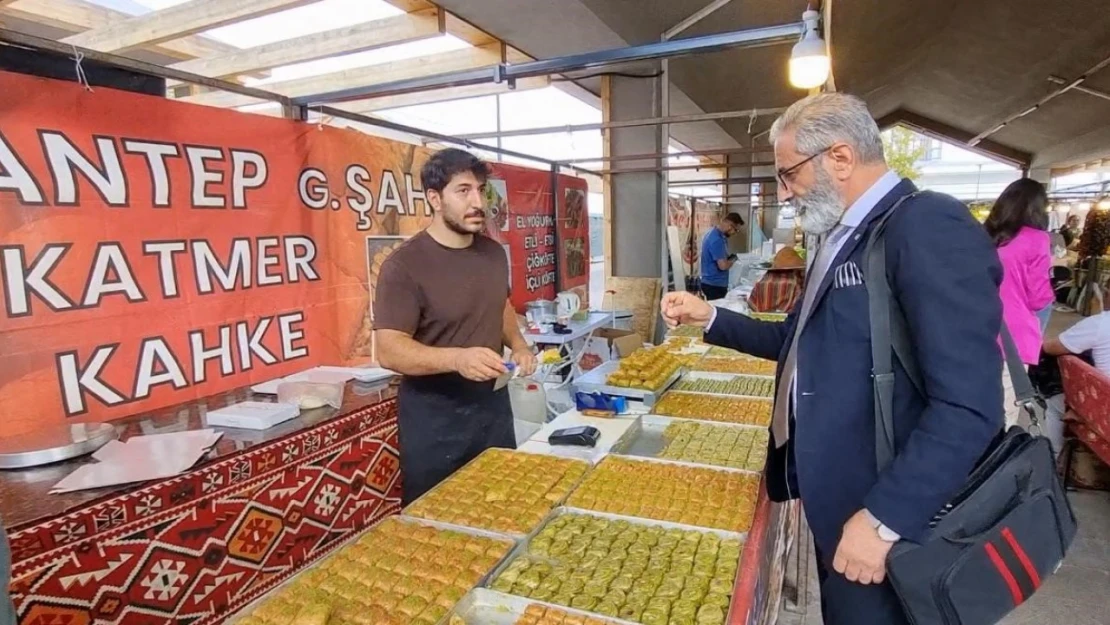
(684, 308)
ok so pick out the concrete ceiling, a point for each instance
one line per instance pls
(967, 65)
(527, 25)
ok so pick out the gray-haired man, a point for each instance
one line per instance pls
(944, 272)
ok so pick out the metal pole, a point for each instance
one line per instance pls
(664, 136)
(698, 167)
(420, 132)
(719, 181)
(555, 218)
(510, 72)
(652, 156)
(497, 103)
(631, 123)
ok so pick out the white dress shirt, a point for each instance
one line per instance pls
(851, 219)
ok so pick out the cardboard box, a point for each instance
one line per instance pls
(610, 344)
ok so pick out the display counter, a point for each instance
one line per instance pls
(196, 547)
(262, 507)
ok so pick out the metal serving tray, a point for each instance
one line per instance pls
(596, 381)
(684, 463)
(722, 377)
(645, 439)
(694, 368)
(483, 606)
(522, 552)
(515, 536)
(515, 551)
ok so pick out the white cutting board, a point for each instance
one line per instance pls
(611, 429)
(326, 375)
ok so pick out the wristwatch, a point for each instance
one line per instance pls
(885, 533)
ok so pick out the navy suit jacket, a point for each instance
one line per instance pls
(945, 273)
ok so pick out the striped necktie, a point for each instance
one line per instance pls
(780, 421)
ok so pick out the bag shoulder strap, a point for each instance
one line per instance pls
(890, 335)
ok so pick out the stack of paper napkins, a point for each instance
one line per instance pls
(141, 458)
(252, 415)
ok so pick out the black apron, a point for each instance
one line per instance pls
(445, 421)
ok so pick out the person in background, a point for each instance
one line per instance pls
(1070, 231)
(1018, 225)
(1091, 334)
(945, 273)
(442, 318)
(716, 259)
(1095, 239)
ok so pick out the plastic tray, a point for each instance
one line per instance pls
(596, 381)
(645, 440)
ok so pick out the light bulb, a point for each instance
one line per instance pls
(809, 72)
(810, 64)
(1104, 204)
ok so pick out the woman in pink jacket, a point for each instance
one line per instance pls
(1018, 224)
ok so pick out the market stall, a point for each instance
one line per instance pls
(664, 520)
(240, 258)
(201, 544)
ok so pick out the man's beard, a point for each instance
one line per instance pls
(459, 226)
(820, 210)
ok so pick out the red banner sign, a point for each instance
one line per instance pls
(152, 252)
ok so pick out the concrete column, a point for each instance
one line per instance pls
(1042, 175)
(635, 228)
(740, 242)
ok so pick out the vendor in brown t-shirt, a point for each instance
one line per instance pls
(442, 318)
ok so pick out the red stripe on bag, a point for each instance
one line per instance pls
(1007, 576)
(1026, 563)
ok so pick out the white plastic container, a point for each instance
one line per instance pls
(622, 319)
(311, 395)
(529, 400)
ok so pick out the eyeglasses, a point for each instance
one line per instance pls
(785, 175)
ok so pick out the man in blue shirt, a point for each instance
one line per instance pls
(715, 257)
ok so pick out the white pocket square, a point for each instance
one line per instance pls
(847, 275)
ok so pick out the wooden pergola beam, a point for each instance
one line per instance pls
(379, 33)
(409, 6)
(372, 74)
(454, 25)
(76, 16)
(176, 21)
(441, 95)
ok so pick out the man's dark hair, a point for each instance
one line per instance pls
(446, 164)
(735, 219)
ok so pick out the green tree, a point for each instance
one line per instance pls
(903, 148)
